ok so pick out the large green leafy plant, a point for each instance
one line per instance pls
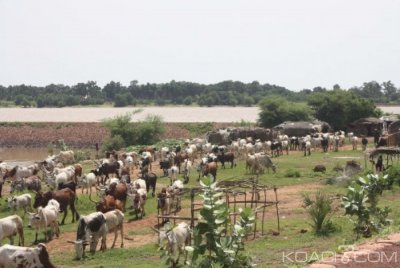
(361, 201)
(217, 242)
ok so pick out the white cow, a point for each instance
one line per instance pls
(44, 218)
(175, 239)
(22, 201)
(17, 257)
(87, 181)
(11, 226)
(115, 223)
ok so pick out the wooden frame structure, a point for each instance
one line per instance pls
(247, 192)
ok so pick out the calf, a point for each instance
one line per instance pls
(139, 197)
(44, 218)
(115, 223)
(22, 201)
(17, 257)
(90, 229)
(11, 226)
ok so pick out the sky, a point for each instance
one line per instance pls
(291, 43)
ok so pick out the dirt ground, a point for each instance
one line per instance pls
(380, 253)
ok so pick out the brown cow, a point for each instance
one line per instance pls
(210, 168)
(119, 191)
(78, 172)
(107, 203)
(66, 197)
(179, 159)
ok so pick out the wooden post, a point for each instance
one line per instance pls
(263, 214)
(277, 209)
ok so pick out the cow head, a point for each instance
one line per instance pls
(41, 199)
(34, 217)
(11, 200)
(79, 248)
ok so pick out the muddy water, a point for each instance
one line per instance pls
(26, 156)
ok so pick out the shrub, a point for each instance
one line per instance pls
(319, 210)
(361, 201)
(113, 143)
(291, 173)
(82, 155)
(143, 132)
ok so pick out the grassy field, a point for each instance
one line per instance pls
(267, 250)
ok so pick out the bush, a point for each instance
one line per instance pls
(291, 173)
(113, 143)
(275, 110)
(319, 210)
(144, 132)
(82, 155)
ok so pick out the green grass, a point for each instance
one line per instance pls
(267, 250)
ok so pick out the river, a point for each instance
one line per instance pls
(97, 114)
(175, 114)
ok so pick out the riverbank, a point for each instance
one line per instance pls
(85, 135)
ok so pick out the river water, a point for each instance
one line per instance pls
(169, 114)
(96, 114)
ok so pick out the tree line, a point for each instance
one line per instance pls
(231, 93)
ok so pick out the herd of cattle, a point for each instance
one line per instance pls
(111, 178)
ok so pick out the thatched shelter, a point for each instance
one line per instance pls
(394, 134)
(226, 136)
(301, 128)
(366, 126)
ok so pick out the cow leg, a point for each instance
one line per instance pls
(21, 237)
(122, 235)
(65, 215)
(115, 238)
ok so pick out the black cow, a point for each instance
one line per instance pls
(226, 157)
(165, 165)
(151, 181)
(325, 144)
(106, 169)
(276, 148)
(70, 185)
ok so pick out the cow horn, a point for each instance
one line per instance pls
(70, 241)
(155, 230)
(90, 198)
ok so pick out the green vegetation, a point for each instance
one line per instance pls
(174, 93)
(320, 210)
(339, 107)
(124, 132)
(361, 201)
(216, 241)
(275, 110)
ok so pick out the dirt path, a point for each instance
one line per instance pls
(289, 197)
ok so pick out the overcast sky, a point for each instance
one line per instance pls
(296, 44)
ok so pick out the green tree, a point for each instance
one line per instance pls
(275, 110)
(147, 131)
(340, 107)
